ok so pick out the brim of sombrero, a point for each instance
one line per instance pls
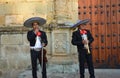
(80, 22)
(28, 22)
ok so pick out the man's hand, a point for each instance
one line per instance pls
(43, 44)
(36, 30)
(85, 41)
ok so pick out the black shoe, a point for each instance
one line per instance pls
(81, 76)
(92, 76)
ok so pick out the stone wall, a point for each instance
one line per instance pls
(13, 13)
(14, 47)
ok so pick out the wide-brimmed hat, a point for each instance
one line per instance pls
(80, 22)
(28, 22)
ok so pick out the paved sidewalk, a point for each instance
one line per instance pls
(99, 73)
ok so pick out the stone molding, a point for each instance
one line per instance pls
(4, 30)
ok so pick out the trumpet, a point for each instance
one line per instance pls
(86, 46)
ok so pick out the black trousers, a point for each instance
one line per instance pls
(34, 56)
(85, 57)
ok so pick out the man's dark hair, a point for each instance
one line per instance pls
(35, 22)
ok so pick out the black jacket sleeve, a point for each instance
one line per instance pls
(31, 36)
(75, 40)
(90, 37)
(44, 38)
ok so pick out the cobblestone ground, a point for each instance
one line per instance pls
(52, 75)
(99, 73)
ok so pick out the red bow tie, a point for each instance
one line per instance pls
(83, 32)
(38, 33)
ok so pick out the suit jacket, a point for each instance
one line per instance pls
(31, 36)
(77, 39)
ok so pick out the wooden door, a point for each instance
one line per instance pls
(105, 28)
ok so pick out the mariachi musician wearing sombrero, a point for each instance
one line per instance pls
(38, 40)
(82, 38)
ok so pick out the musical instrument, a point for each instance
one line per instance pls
(44, 54)
(86, 46)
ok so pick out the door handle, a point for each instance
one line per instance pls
(102, 38)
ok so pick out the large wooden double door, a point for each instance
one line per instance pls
(105, 28)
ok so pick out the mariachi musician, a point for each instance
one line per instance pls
(82, 38)
(38, 40)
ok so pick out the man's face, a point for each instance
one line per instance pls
(81, 26)
(35, 25)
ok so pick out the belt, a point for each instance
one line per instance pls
(36, 49)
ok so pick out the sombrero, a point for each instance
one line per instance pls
(28, 22)
(80, 22)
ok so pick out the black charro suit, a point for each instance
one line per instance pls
(31, 36)
(82, 52)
